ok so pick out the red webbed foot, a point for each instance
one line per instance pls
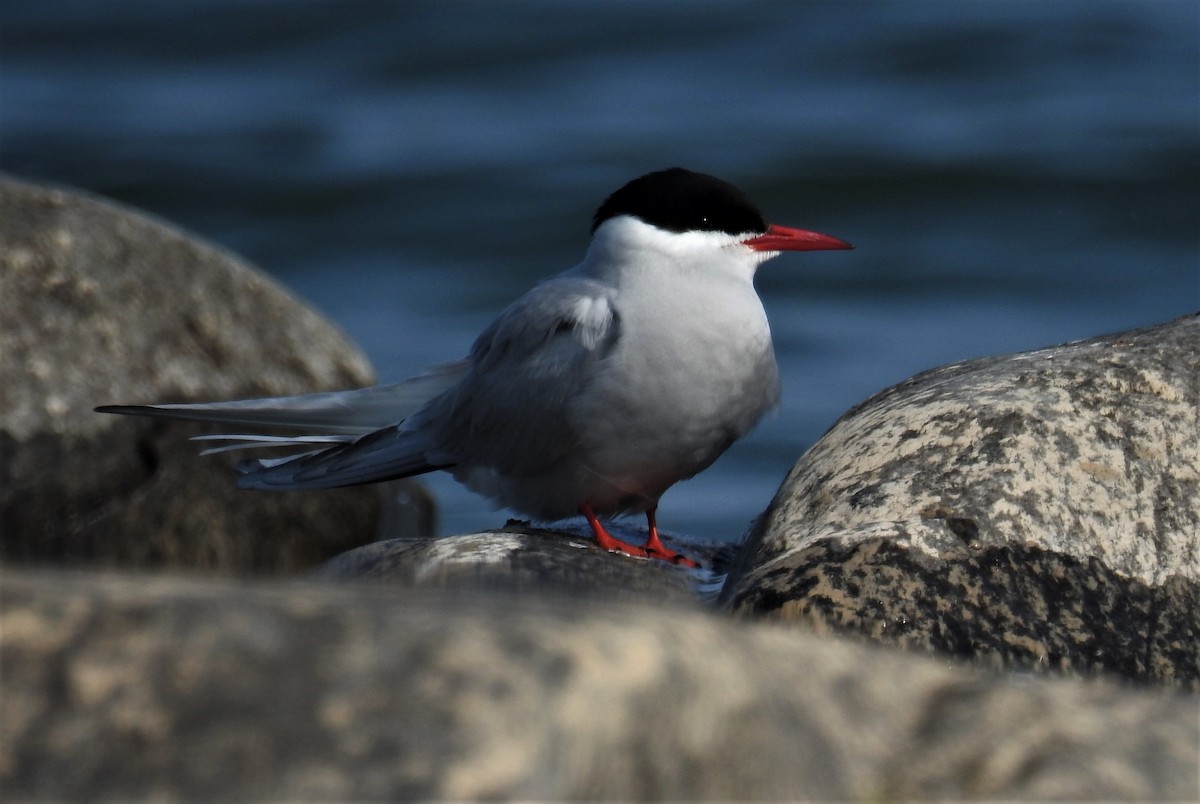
(653, 548)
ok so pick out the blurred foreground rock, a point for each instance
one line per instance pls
(100, 304)
(135, 687)
(1040, 510)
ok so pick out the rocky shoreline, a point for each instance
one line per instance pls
(983, 582)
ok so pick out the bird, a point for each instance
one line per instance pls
(593, 393)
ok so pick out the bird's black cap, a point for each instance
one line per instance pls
(679, 200)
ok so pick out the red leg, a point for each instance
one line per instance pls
(657, 549)
(653, 548)
(606, 540)
(653, 542)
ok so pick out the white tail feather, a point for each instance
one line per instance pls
(251, 441)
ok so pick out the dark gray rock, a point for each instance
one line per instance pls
(1040, 510)
(134, 687)
(519, 557)
(100, 305)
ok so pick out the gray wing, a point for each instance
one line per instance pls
(385, 454)
(509, 411)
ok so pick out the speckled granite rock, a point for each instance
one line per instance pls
(1038, 510)
(135, 687)
(522, 558)
(100, 304)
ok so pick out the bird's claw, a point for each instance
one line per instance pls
(678, 559)
(653, 548)
(649, 550)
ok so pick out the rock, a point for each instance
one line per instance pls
(1040, 510)
(100, 304)
(527, 559)
(526, 663)
(127, 687)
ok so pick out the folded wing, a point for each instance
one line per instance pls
(506, 407)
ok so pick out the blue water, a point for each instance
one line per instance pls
(1014, 174)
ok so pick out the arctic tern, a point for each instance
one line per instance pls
(591, 394)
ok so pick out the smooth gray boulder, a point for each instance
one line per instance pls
(522, 558)
(1040, 510)
(100, 304)
(135, 687)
